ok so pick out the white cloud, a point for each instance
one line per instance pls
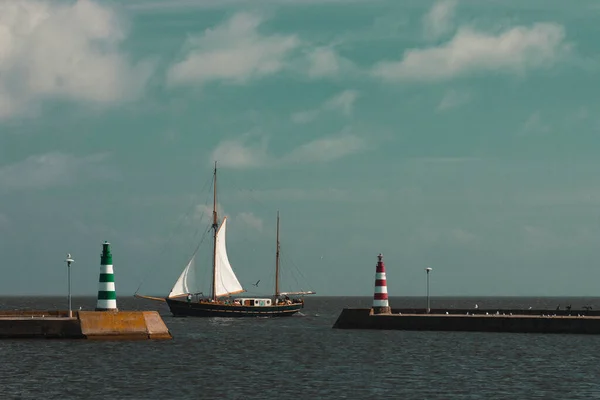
(53, 169)
(310, 194)
(304, 117)
(443, 160)
(71, 51)
(343, 102)
(438, 21)
(239, 153)
(234, 51)
(296, 194)
(326, 149)
(248, 155)
(513, 50)
(534, 125)
(251, 220)
(169, 5)
(323, 61)
(204, 211)
(453, 99)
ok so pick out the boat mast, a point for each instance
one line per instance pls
(214, 227)
(277, 260)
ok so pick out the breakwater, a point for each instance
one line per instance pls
(515, 321)
(96, 325)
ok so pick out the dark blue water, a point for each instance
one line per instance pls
(301, 357)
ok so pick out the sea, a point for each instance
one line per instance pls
(302, 357)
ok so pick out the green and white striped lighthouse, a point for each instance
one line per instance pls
(107, 296)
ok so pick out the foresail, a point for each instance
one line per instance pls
(184, 284)
(226, 281)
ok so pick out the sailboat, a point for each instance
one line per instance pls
(182, 302)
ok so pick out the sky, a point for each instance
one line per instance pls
(456, 135)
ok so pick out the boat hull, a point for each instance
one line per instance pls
(181, 308)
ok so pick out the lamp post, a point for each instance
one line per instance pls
(69, 261)
(428, 270)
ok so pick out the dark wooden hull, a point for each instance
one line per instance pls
(181, 308)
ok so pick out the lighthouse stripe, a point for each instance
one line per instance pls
(107, 277)
(380, 275)
(380, 289)
(106, 304)
(105, 295)
(106, 287)
(380, 296)
(380, 282)
(106, 269)
(380, 268)
(380, 303)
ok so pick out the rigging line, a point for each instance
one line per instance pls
(296, 268)
(200, 243)
(197, 230)
(260, 203)
(202, 216)
(205, 261)
(172, 234)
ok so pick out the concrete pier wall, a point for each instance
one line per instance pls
(99, 325)
(483, 311)
(357, 318)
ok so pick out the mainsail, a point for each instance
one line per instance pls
(226, 282)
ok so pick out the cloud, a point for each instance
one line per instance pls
(513, 50)
(304, 117)
(326, 149)
(304, 195)
(169, 5)
(240, 153)
(323, 61)
(68, 51)
(534, 125)
(438, 21)
(323, 150)
(251, 220)
(297, 194)
(443, 160)
(234, 52)
(53, 169)
(343, 102)
(453, 99)
(202, 211)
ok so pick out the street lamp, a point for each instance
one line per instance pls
(428, 270)
(69, 261)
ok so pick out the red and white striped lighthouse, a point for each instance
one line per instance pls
(380, 299)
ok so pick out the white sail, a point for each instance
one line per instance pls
(184, 284)
(225, 280)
